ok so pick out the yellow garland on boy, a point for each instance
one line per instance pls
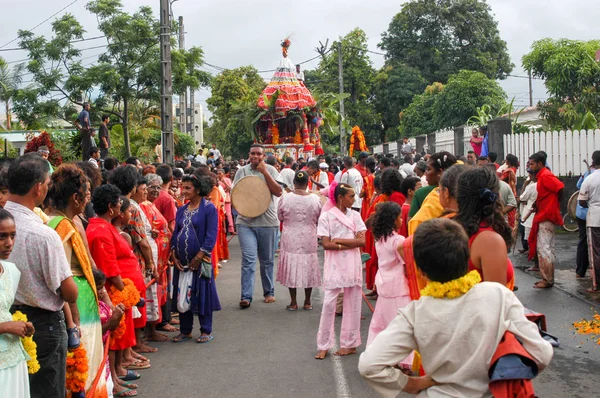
(29, 345)
(452, 289)
(77, 369)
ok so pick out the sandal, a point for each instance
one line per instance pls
(137, 365)
(181, 337)
(291, 307)
(307, 307)
(205, 339)
(130, 376)
(244, 304)
(125, 393)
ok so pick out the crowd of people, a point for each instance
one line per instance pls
(99, 257)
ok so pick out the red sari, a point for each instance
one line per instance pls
(160, 225)
(372, 265)
(368, 190)
(113, 255)
(221, 250)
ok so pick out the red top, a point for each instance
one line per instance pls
(548, 207)
(361, 169)
(404, 228)
(112, 253)
(510, 272)
(330, 176)
(166, 205)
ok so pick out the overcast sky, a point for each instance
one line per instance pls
(233, 33)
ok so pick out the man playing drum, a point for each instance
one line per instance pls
(257, 235)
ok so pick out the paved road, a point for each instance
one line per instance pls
(266, 351)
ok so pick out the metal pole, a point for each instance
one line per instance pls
(341, 81)
(182, 96)
(530, 91)
(192, 114)
(166, 86)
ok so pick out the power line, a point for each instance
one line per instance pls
(44, 21)
(74, 41)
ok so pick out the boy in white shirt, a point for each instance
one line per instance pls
(456, 333)
(94, 156)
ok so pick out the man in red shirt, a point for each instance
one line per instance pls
(165, 202)
(547, 217)
(361, 166)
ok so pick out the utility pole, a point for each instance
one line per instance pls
(192, 114)
(341, 80)
(182, 96)
(530, 90)
(166, 86)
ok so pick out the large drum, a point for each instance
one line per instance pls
(251, 196)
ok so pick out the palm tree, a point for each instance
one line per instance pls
(10, 79)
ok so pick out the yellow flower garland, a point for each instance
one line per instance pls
(452, 289)
(29, 345)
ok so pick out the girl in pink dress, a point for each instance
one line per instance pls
(392, 286)
(343, 234)
(298, 265)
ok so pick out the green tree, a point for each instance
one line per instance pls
(234, 94)
(126, 75)
(419, 118)
(395, 86)
(464, 92)
(10, 79)
(441, 37)
(359, 78)
(572, 78)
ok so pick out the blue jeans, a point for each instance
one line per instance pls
(257, 242)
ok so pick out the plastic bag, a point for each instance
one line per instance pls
(184, 293)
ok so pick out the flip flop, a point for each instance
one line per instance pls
(307, 307)
(291, 308)
(181, 338)
(128, 392)
(130, 376)
(205, 339)
(137, 365)
(244, 304)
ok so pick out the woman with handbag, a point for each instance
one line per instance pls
(194, 237)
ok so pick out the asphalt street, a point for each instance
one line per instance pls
(267, 351)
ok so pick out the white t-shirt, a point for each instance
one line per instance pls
(216, 152)
(287, 177)
(590, 191)
(353, 178)
(323, 180)
(300, 75)
(528, 197)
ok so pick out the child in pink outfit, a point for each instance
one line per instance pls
(342, 232)
(392, 286)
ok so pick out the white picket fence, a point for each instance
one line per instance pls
(566, 149)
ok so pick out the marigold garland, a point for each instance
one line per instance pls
(77, 369)
(29, 345)
(297, 138)
(589, 327)
(357, 134)
(452, 289)
(129, 297)
(275, 132)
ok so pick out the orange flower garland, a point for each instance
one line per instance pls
(297, 138)
(129, 297)
(357, 134)
(275, 132)
(77, 369)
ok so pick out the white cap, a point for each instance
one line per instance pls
(323, 165)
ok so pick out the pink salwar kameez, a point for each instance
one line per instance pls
(342, 272)
(392, 287)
